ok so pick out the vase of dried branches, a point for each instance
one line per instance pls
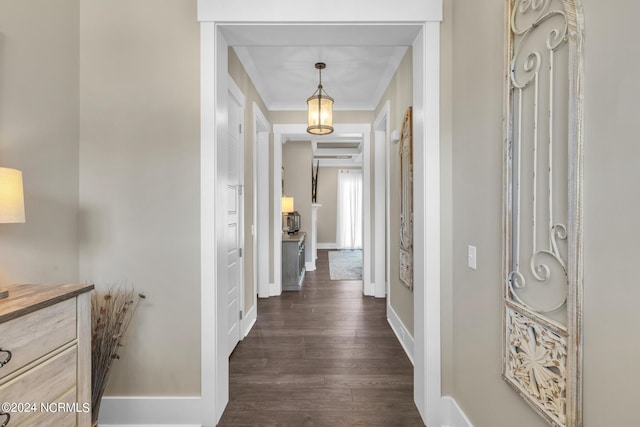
(111, 315)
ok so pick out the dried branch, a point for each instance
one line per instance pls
(111, 315)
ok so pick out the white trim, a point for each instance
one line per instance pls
(367, 248)
(327, 246)
(380, 242)
(248, 320)
(331, 11)
(452, 414)
(214, 372)
(368, 288)
(278, 141)
(310, 265)
(275, 289)
(402, 333)
(147, 410)
(426, 130)
(354, 163)
(262, 128)
(221, 123)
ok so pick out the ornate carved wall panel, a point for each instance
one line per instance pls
(542, 343)
(406, 201)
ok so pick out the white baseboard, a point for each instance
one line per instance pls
(452, 415)
(401, 331)
(327, 246)
(150, 411)
(274, 291)
(249, 320)
(369, 289)
(310, 265)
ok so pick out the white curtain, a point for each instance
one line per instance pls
(349, 221)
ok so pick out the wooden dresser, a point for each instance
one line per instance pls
(45, 356)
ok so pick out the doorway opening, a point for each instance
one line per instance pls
(422, 21)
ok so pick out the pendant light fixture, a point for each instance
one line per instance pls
(320, 108)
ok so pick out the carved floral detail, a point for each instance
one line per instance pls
(536, 364)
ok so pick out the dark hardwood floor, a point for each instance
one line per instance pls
(323, 356)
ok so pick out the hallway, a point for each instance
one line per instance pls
(324, 356)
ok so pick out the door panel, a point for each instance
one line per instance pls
(234, 223)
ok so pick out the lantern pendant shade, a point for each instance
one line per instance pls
(320, 109)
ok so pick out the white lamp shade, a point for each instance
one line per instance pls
(11, 196)
(287, 204)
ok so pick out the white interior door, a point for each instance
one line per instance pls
(235, 223)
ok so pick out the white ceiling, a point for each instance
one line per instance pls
(355, 77)
(280, 60)
(361, 61)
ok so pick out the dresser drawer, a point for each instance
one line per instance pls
(54, 418)
(47, 382)
(30, 337)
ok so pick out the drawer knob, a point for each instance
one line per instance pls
(5, 423)
(7, 358)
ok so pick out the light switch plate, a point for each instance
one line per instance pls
(471, 257)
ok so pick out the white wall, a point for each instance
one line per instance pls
(39, 135)
(139, 181)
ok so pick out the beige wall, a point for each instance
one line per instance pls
(328, 198)
(446, 199)
(241, 78)
(611, 213)
(39, 135)
(477, 219)
(296, 160)
(140, 181)
(400, 95)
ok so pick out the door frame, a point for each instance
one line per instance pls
(298, 132)
(213, 14)
(261, 232)
(381, 136)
